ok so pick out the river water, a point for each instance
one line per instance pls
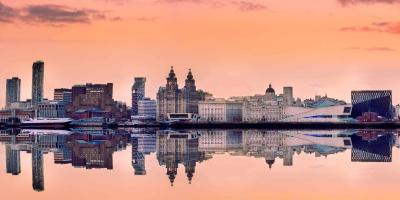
(200, 164)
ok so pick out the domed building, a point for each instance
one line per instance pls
(263, 108)
(270, 93)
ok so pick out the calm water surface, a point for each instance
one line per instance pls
(220, 164)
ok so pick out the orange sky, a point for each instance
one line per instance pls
(234, 47)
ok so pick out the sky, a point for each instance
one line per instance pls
(234, 47)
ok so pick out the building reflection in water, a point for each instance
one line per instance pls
(143, 143)
(372, 146)
(175, 148)
(94, 149)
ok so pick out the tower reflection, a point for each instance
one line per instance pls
(94, 149)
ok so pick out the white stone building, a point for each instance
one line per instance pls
(262, 108)
(220, 110)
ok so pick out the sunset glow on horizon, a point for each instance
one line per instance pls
(234, 47)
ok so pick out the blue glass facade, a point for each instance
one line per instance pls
(378, 101)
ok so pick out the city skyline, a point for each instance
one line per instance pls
(332, 47)
(180, 82)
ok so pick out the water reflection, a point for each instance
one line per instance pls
(89, 149)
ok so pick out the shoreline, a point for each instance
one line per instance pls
(239, 125)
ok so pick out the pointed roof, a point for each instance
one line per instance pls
(190, 75)
(172, 72)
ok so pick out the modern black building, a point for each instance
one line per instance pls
(378, 101)
(37, 82)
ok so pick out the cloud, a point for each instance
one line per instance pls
(147, 19)
(249, 6)
(242, 5)
(383, 27)
(356, 2)
(382, 49)
(7, 13)
(58, 14)
(51, 14)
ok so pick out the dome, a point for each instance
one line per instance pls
(270, 162)
(270, 89)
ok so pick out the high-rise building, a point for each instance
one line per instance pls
(171, 99)
(63, 95)
(288, 98)
(37, 82)
(13, 91)
(377, 101)
(13, 160)
(138, 93)
(37, 169)
(147, 107)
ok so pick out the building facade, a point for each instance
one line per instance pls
(51, 109)
(92, 95)
(378, 101)
(63, 95)
(288, 98)
(147, 107)
(13, 91)
(221, 110)
(37, 82)
(171, 99)
(138, 93)
(263, 108)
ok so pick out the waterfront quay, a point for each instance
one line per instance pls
(224, 125)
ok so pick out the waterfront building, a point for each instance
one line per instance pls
(337, 113)
(138, 93)
(397, 111)
(19, 113)
(147, 107)
(266, 107)
(171, 99)
(221, 110)
(288, 98)
(63, 95)
(97, 96)
(92, 95)
(13, 91)
(51, 109)
(21, 105)
(37, 82)
(378, 101)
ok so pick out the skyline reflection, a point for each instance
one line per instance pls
(94, 149)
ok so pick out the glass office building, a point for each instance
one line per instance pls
(377, 101)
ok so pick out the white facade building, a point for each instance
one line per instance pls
(338, 113)
(220, 110)
(261, 109)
